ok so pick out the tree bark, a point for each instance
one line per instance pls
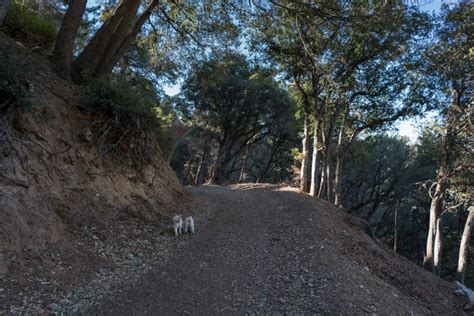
(105, 41)
(340, 154)
(329, 185)
(338, 180)
(64, 46)
(315, 159)
(395, 228)
(325, 186)
(4, 8)
(435, 208)
(438, 246)
(244, 161)
(464, 247)
(114, 57)
(322, 183)
(304, 162)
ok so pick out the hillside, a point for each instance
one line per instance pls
(57, 195)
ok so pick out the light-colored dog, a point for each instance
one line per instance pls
(178, 225)
(189, 225)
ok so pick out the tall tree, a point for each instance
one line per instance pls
(451, 61)
(235, 104)
(63, 48)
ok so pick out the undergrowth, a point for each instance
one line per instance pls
(24, 23)
(127, 120)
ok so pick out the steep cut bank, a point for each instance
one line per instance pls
(55, 189)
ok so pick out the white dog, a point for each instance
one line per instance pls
(189, 225)
(178, 225)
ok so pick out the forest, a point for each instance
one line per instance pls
(307, 94)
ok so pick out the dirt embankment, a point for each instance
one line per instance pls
(57, 193)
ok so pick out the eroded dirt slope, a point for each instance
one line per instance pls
(271, 249)
(59, 200)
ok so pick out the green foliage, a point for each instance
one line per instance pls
(132, 99)
(243, 121)
(129, 120)
(23, 23)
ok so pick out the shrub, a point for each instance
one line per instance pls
(127, 120)
(23, 23)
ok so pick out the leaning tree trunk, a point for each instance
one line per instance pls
(464, 247)
(106, 40)
(111, 60)
(64, 46)
(4, 7)
(315, 160)
(438, 246)
(304, 162)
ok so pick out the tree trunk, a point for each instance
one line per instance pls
(435, 208)
(322, 184)
(395, 228)
(329, 186)
(315, 160)
(304, 162)
(64, 46)
(4, 8)
(438, 246)
(338, 181)
(441, 184)
(326, 179)
(340, 154)
(111, 61)
(244, 161)
(464, 247)
(105, 41)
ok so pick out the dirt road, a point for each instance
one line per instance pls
(269, 249)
